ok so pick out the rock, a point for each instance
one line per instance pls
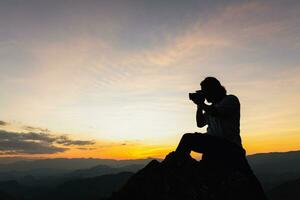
(187, 179)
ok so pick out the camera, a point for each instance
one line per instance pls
(198, 96)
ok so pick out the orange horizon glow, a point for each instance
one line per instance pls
(110, 79)
(118, 151)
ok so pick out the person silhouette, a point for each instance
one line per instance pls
(222, 118)
(223, 156)
(221, 146)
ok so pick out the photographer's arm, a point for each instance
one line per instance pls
(210, 109)
(200, 117)
(224, 109)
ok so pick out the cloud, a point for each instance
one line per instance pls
(32, 128)
(3, 123)
(86, 149)
(27, 143)
(36, 143)
(64, 140)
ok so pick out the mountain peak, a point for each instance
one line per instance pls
(189, 179)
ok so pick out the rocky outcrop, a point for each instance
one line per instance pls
(188, 179)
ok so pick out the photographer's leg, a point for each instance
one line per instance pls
(184, 146)
(191, 142)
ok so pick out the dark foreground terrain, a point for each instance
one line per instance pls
(98, 179)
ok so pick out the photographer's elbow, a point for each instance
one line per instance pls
(200, 124)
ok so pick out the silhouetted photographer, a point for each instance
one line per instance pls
(222, 118)
(221, 146)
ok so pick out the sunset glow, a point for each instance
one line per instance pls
(110, 79)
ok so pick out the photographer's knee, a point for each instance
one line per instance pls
(187, 135)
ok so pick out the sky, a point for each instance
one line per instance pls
(110, 79)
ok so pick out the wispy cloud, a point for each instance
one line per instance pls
(36, 143)
(33, 129)
(32, 143)
(3, 123)
(66, 141)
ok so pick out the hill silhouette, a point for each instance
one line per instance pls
(5, 196)
(67, 163)
(275, 168)
(190, 180)
(102, 170)
(94, 188)
(289, 190)
(40, 171)
(36, 182)
(11, 190)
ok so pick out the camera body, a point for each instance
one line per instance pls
(198, 96)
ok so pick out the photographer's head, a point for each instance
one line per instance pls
(212, 89)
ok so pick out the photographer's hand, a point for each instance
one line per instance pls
(198, 103)
(200, 119)
(210, 109)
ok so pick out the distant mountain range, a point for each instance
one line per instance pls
(58, 178)
(95, 188)
(103, 169)
(67, 163)
(275, 168)
(32, 170)
(271, 168)
(89, 188)
(289, 190)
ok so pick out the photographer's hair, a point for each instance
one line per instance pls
(211, 83)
